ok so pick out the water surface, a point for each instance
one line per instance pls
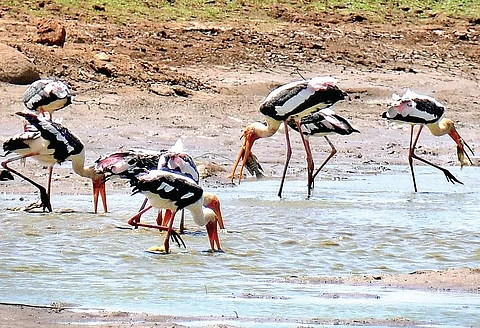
(370, 223)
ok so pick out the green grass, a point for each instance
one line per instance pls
(219, 10)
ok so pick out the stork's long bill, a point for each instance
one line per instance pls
(249, 136)
(211, 226)
(214, 205)
(461, 144)
(99, 189)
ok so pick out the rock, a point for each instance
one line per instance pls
(51, 32)
(162, 90)
(103, 56)
(15, 67)
(102, 67)
(181, 91)
(208, 169)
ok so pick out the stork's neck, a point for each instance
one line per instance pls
(441, 127)
(196, 209)
(265, 131)
(78, 166)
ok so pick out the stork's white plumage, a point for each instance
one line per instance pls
(423, 110)
(49, 144)
(47, 95)
(291, 101)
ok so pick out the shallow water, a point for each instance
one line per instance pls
(368, 223)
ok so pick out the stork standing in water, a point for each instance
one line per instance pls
(424, 110)
(292, 101)
(176, 161)
(127, 163)
(47, 96)
(49, 144)
(173, 191)
(322, 123)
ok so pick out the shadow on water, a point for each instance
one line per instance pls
(362, 224)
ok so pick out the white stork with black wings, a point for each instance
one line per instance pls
(130, 162)
(291, 101)
(322, 123)
(47, 96)
(424, 110)
(51, 143)
(174, 191)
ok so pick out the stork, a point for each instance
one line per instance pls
(423, 110)
(47, 96)
(291, 101)
(322, 123)
(51, 143)
(173, 191)
(128, 163)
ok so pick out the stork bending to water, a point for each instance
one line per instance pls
(426, 111)
(46, 96)
(173, 191)
(51, 143)
(323, 123)
(292, 101)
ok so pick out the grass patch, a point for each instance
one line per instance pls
(220, 10)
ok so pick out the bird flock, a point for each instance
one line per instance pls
(169, 178)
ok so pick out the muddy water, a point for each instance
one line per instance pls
(360, 224)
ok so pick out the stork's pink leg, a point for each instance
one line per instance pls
(134, 220)
(411, 155)
(166, 242)
(160, 218)
(167, 217)
(287, 159)
(142, 207)
(44, 197)
(308, 152)
(332, 153)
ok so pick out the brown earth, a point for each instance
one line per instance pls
(145, 84)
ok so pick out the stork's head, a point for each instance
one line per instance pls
(250, 134)
(212, 202)
(212, 230)
(98, 182)
(448, 126)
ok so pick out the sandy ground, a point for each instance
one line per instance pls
(207, 99)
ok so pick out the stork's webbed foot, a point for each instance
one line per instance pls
(175, 236)
(43, 203)
(451, 178)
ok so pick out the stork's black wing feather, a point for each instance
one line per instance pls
(62, 141)
(180, 190)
